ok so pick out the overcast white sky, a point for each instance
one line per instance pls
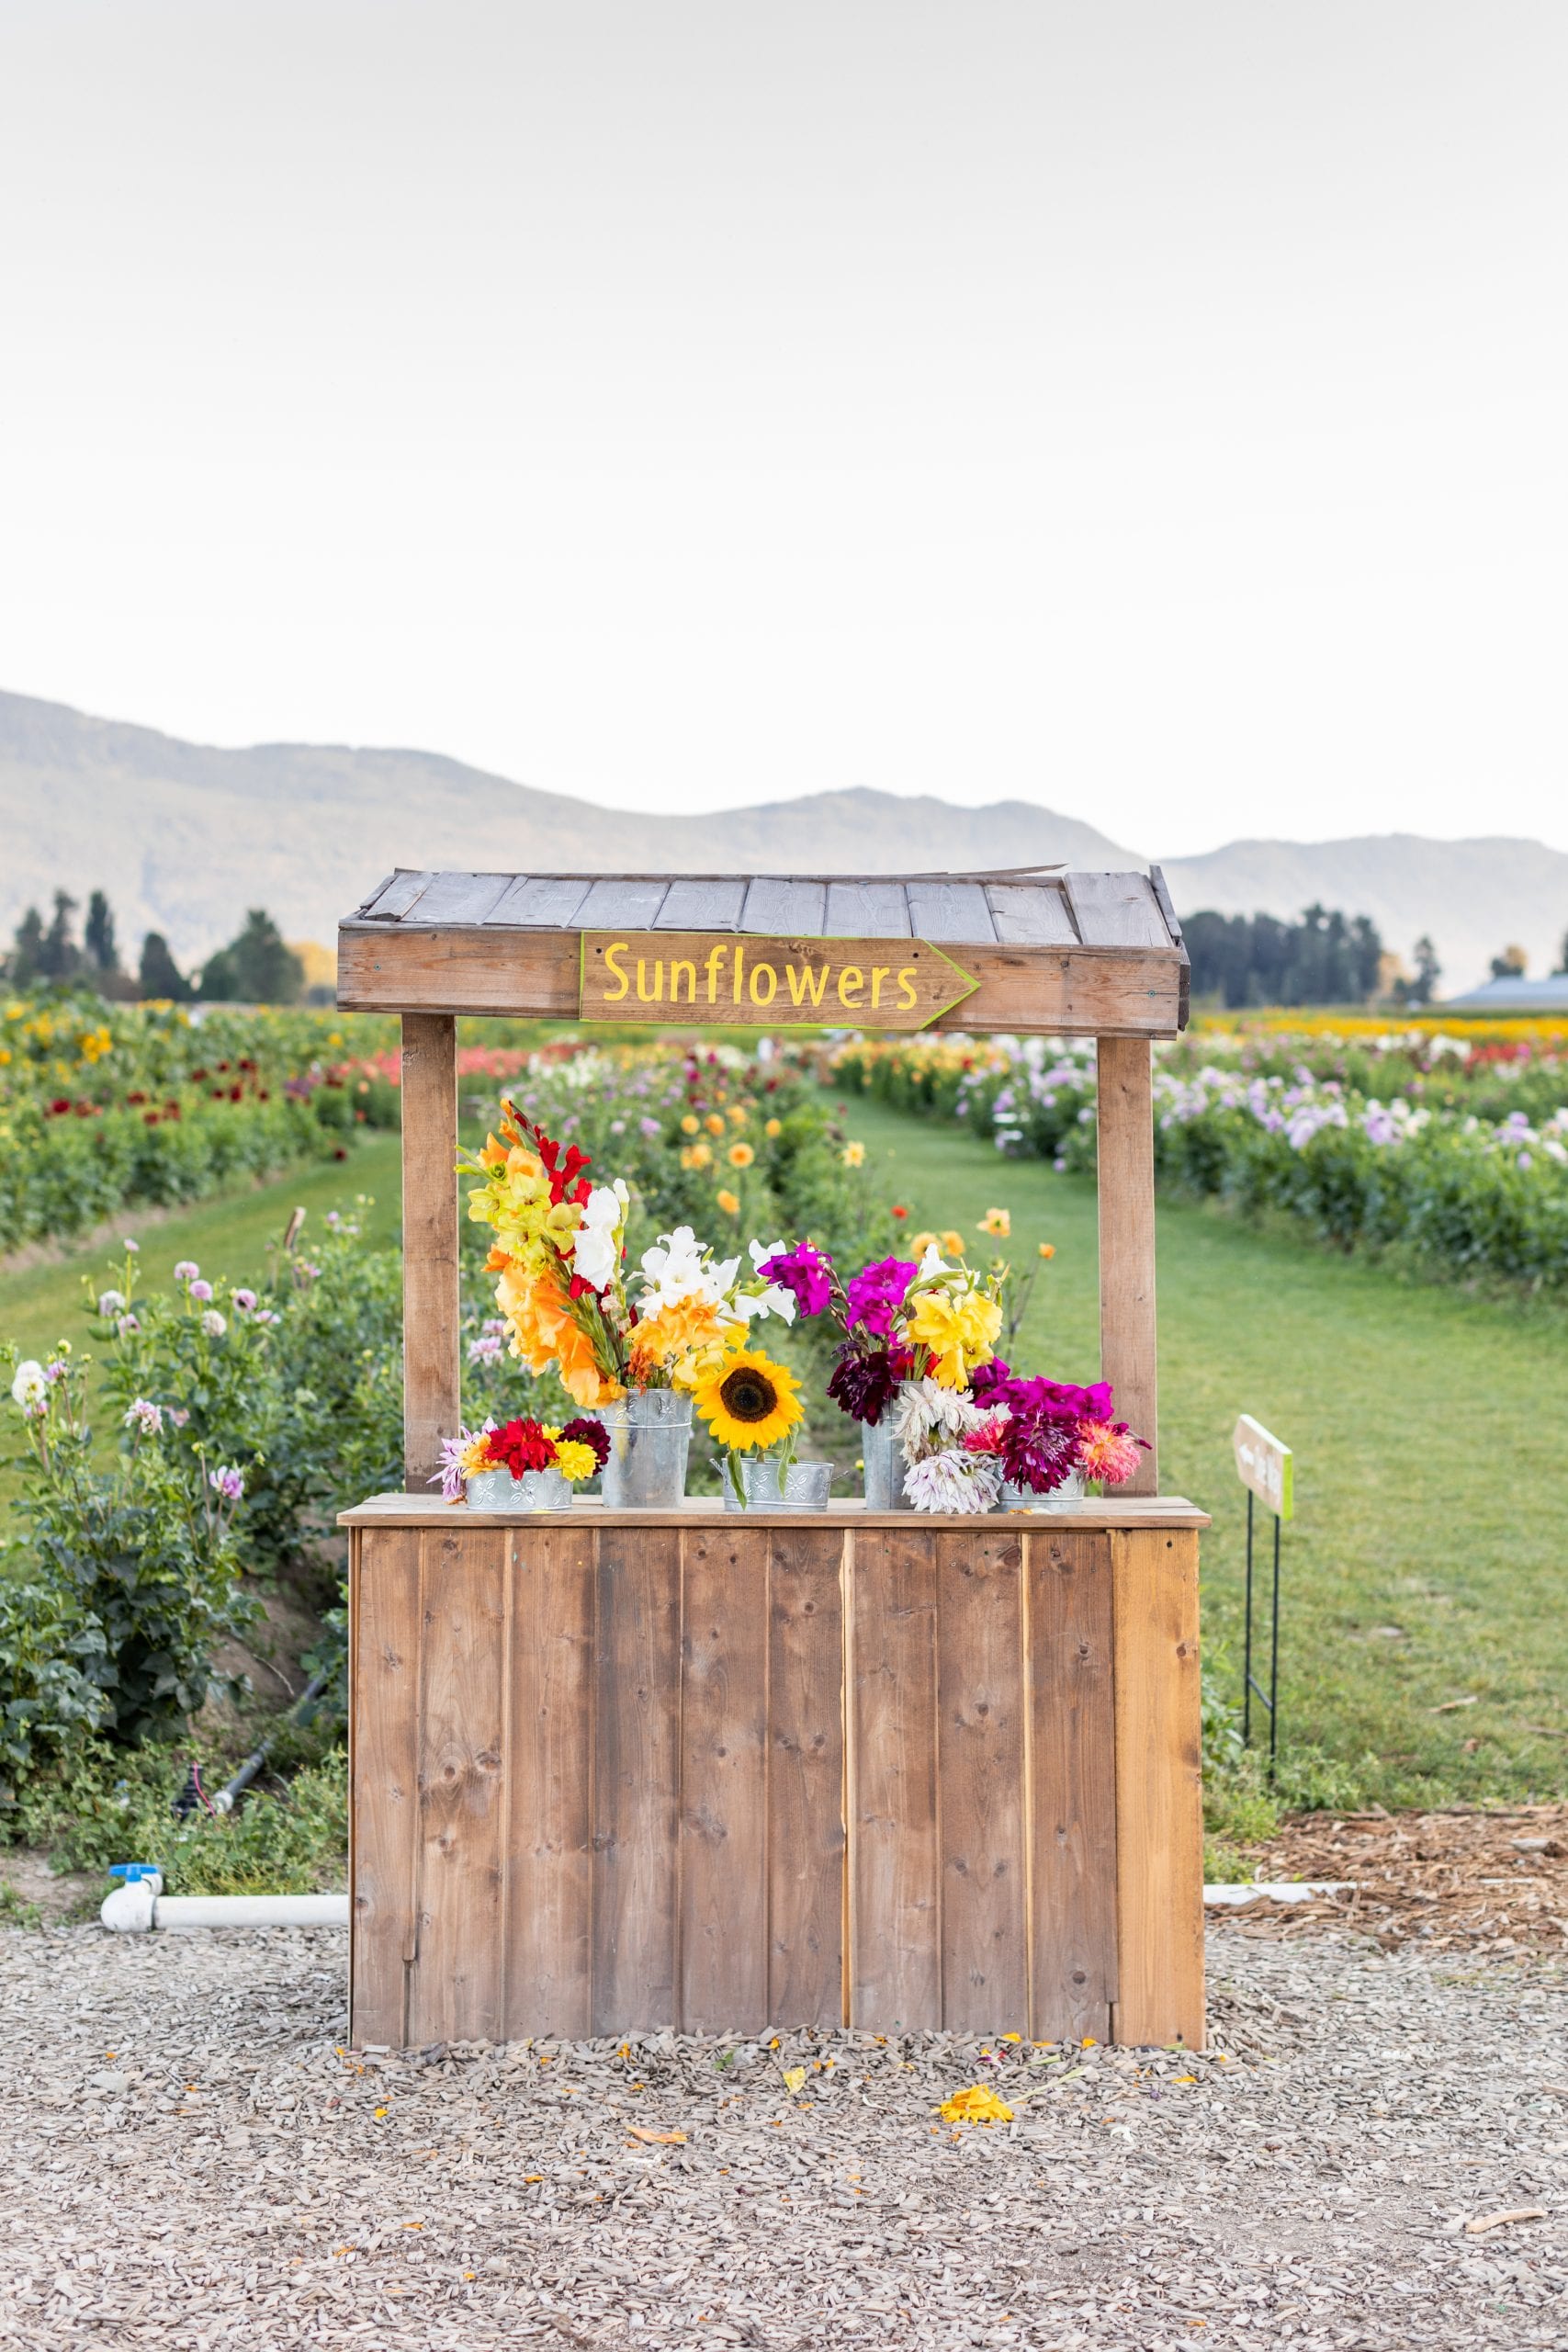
(1157, 412)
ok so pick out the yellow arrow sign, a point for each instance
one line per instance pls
(707, 979)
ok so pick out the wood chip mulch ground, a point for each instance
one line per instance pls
(1458, 1879)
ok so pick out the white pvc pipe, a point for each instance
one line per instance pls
(250, 1911)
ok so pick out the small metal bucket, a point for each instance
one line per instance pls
(536, 1490)
(883, 1457)
(650, 1431)
(1067, 1497)
(803, 1485)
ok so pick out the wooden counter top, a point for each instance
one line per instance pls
(428, 1512)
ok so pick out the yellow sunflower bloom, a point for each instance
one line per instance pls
(740, 1155)
(749, 1401)
(958, 1332)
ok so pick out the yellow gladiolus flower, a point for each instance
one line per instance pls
(960, 1333)
(748, 1401)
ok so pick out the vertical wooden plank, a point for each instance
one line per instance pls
(956, 910)
(788, 909)
(705, 905)
(806, 1777)
(1116, 911)
(723, 1774)
(985, 1973)
(636, 1778)
(1072, 1786)
(383, 1773)
(1127, 1328)
(895, 1834)
(1159, 1802)
(383, 1832)
(431, 1351)
(455, 1991)
(549, 1873)
(864, 909)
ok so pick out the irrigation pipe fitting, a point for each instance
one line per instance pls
(139, 1904)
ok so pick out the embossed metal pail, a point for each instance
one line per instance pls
(649, 1432)
(536, 1490)
(885, 1465)
(804, 1484)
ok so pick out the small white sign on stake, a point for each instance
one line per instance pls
(1265, 1465)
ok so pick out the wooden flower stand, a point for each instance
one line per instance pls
(612, 1772)
(624, 1770)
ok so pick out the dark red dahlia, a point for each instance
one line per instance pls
(591, 1433)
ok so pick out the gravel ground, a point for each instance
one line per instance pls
(193, 2160)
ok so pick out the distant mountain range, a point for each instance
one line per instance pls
(184, 837)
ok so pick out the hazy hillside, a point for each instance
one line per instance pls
(183, 837)
(1474, 897)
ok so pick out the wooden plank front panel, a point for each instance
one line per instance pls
(1072, 1786)
(1125, 1145)
(432, 1342)
(894, 1848)
(724, 1775)
(985, 1974)
(1159, 1796)
(549, 1885)
(1055, 991)
(384, 1779)
(637, 1726)
(806, 1777)
(455, 1991)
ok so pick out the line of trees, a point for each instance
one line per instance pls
(1325, 959)
(256, 968)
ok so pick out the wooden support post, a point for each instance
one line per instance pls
(432, 1350)
(1127, 1335)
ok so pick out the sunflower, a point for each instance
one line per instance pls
(748, 1401)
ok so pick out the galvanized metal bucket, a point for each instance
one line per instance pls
(883, 1457)
(1067, 1497)
(803, 1486)
(649, 1432)
(536, 1490)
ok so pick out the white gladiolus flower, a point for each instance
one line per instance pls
(595, 1252)
(672, 1270)
(774, 1300)
(29, 1389)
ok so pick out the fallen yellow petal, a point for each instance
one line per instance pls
(794, 2077)
(650, 2138)
(976, 2105)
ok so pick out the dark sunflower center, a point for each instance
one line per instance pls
(749, 1394)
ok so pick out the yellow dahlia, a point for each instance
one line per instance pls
(996, 1222)
(748, 1401)
(574, 1460)
(729, 1203)
(740, 1155)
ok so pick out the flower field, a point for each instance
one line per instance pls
(108, 1106)
(1448, 1151)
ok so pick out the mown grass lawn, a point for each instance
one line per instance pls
(1426, 1561)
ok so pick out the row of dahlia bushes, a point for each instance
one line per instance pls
(106, 1107)
(1452, 1190)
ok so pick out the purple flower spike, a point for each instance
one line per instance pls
(876, 1295)
(804, 1271)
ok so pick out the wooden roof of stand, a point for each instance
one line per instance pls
(1051, 950)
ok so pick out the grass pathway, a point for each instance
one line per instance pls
(1425, 1562)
